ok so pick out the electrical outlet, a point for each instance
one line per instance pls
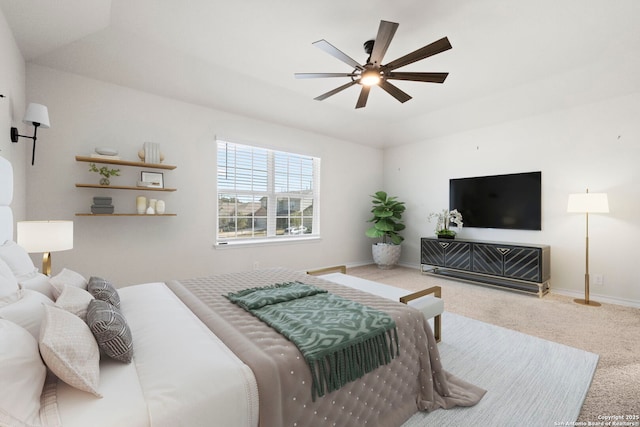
(256, 265)
(598, 279)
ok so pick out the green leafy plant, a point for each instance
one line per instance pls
(105, 172)
(387, 218)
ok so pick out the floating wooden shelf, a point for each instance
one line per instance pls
(124, 187)
(124, 214)
(123, 163)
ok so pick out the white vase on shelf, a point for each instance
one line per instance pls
(160, 207)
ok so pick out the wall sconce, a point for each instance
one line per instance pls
(36, 115)
(46, 237)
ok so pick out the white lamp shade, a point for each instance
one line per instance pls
(588, 203)
(45, 236)
(37, 113)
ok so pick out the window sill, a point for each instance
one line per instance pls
(234, 244)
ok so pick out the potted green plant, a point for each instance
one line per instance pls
(387, 223)
(105, 172)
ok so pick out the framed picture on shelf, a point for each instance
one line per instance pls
(153, 179)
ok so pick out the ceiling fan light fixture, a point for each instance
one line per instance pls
(370, 78)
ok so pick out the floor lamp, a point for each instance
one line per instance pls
(45, 237)
(587, 203)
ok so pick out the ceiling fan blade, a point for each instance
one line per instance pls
(383, 40)
(422, 53)
(418, 77)
(334, 91)
(321, 75)
(394, 91)
(336, 53)
(364, 95)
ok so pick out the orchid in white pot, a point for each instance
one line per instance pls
(444, 221)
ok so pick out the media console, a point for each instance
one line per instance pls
(524, 268)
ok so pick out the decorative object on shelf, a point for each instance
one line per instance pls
(150, 211)
(105, 172)
(151, 153)
(445, 218)
(160, 208)
(46, 237)
(587, 203)
(102, 205)
(387, 222)
(141, 204)
(154, 179)
(105, 153)
(36, 115)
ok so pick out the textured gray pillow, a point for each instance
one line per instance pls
(103, 290)
(110, 329)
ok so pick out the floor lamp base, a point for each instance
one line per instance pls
(584, 302)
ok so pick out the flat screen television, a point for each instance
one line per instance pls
(512, 201)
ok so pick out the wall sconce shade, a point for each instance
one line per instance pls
(46, 237)
(37, 115)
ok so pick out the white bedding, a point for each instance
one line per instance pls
(181, 374)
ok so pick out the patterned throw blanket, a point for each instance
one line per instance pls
(340, 339)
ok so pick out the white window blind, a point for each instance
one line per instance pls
(265, 194)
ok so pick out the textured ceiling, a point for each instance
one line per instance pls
(510, 59)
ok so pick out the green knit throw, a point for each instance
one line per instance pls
(340, 339)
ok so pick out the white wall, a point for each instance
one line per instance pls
(595, 146)
(12, 86)
(87, 113)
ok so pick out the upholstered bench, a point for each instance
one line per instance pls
(428, 301)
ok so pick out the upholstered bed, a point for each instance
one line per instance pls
(185, 355)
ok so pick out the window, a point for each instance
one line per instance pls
(265, 194)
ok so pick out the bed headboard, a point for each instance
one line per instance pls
(6, 195)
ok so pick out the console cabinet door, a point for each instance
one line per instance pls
(446, 253)
(507, 261)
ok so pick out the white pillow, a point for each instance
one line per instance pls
(66, 277)
(8, 282)
(23, 375)
(17, 259)
(24, 308)
(69, 349)
(38, 282)
(74, 300)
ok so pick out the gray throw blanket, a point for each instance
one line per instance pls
(340, 339)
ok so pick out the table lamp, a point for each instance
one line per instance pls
(45, 237)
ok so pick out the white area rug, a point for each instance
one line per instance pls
(529, 381)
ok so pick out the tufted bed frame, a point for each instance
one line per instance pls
(237, 371)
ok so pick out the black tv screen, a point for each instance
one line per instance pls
(512, 201)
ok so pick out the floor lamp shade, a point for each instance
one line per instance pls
(587, 203)
(45, 237)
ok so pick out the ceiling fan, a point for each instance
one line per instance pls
(373, 72)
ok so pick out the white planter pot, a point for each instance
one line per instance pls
(386, 255)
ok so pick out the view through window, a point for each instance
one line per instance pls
(265, 194)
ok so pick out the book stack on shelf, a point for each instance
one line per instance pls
(102, 205)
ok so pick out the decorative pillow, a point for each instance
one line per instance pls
(38, 282)
(17, 259)
(74, 300)
(23, 375)
(24, 307)
(110, 329)
(103, 290)
(69, 349)
(8, 282)
(66, 277)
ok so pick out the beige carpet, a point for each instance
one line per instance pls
(611, 331)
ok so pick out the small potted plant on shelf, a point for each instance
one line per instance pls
(105, 172)
(387, 222)
(445, 219)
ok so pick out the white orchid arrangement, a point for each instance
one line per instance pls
(444, 221)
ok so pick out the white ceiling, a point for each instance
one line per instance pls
(510, 58)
